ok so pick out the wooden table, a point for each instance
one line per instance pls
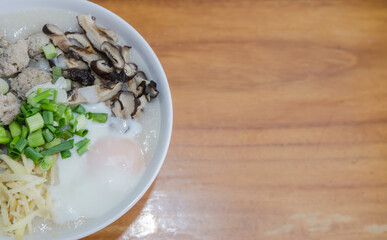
(280, 120)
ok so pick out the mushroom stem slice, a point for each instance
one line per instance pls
(95, 34)
(114, 54)
(57, 36)
(125, 52)
(130, 70)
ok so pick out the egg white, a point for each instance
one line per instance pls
(86, 192)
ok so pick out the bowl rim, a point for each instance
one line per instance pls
(167, 125)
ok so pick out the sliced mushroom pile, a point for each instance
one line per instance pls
(96, 64)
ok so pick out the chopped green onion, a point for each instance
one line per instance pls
(49, 51)
(36, 139)
(14, 141)
(3, 132)
(99, 117)
(55, 94)
(34, 98)
(13, 153)
(48, 117)
(82, 132)
(82, 150)
(58, 133)
(47, 162)
(24, 132)
(48, 135)
(4, 87)
(32, 154)
(49, 107)
(68, 114)
(80, 109)
(21, 144)
(15, 129)
(56, 73)
(59, 148)
(20, 118)
(32, 111)
(65, 154)
(53, 143)
(82, 142)
(81, 122)
(52, 128)
(5, 140)
(60, 111)
(61, 122)
(23, 109)
(67, 134)
(35, 122)
(69, 83)
(8, 134)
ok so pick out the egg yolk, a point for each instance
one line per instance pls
(116, 154)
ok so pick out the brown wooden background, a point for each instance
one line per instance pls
(280, 120)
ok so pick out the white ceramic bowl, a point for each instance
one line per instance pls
(126, 32)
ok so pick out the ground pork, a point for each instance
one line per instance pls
(9, 107)
(14, 58)
(36, 42)
(27, 79)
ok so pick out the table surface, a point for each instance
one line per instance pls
(280, 120)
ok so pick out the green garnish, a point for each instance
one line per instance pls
(35, 122)
(59, 148)
(56, 73)
(15, 129)
(49, 51)
(36, 139)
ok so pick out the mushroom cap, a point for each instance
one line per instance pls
(114, 54)
(101, 67)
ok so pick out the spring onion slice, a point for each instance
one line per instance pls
(49, 51)
(67, 134)
(24, 132)
(59, 148)
(65, 154)
(4, 87)
(15, 129)
(82, 142)
(33, 154)
(49, 107)
(14, 141)
(82, 132)
(36, 139)
(21, 144)
(82, 150)
(53, 143)
(4, 140)
(99, 117)
(56, 73)
(48, 117)
(13, 153)
(47, 162)
(35, 122)
(80, 109)
(48, 135)
(3, 133)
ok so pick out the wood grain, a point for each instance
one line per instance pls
(280, 120)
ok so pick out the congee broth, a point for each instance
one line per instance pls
(79, 120)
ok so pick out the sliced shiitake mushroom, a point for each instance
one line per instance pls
(81, 76)
(141, 102)
(94, 94)
(101, 67)
(81, 39)
(152, 89)
(114, 54)
(130, 70)
(57, 36)
(86, 55)
(125, 106)
(95, 34)
(125, 52)
(74, 63)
